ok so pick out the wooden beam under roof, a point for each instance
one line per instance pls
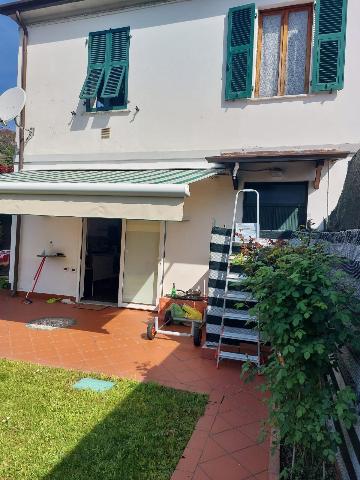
(272, 156)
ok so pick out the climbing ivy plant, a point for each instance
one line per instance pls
(307, 316)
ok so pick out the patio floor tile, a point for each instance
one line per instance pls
(200, 474)
(225, 468)
(113, 341)
(232, 440)
(252, 430)
(254, 458)
(187, 376)
(180, 475)
(220, 425)
(237, 418)
(198, 439)
(206, 422)
(189, 460)
(211, 450)
(262, 476)
(212, 408)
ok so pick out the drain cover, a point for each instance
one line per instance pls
(93, 384)
(51, 323)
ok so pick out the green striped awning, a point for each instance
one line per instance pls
(175, 177)
(129, 194)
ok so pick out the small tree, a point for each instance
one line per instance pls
(307, 316)
(7, 146)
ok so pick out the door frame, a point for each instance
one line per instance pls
(120, 303)
(160, 275)
(81, 283)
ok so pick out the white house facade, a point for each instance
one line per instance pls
(147, 117)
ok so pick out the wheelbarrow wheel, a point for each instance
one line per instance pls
(197, 334)
(151, 331)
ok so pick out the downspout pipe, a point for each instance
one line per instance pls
(25, 39)
(24, 55)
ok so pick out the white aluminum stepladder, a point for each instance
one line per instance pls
(249, 335)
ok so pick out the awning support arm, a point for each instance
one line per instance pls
(318, 170)
(235, 178)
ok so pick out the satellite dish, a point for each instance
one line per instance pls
(12, 101)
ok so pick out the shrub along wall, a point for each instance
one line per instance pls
(307, 314)
(347, 245)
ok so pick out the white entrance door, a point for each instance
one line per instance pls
(141, 262)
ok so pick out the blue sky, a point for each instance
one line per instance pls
(8, 52)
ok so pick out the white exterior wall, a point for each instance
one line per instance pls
(37, 232)
(176, 78)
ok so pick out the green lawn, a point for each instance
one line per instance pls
(48, 430)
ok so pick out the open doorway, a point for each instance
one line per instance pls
(102, 259)
(5, 245)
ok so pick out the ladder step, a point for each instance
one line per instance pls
(243, 334)
(241, 296)
(236, 277)
(239, 243)
(231, 312)
(242, 357)
(239, 315)
(216, 329)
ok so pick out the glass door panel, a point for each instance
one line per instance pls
(141, 262)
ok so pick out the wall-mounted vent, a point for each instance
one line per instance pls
(105, 133)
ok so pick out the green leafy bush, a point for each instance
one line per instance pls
(4, 282)
(7, 146)
(307, 315)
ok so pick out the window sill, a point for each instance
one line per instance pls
(281, 97)
(301, 96)
(125, 111)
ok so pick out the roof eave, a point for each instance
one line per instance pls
(276, 156)
(35, 11)
(10, 9)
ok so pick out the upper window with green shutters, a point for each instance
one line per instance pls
(293, 54)
(106, 83)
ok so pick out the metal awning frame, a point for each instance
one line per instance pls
(95, 189)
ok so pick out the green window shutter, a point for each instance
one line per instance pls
(96, 65)
(240, 45)
(329, 45)
(117, 62)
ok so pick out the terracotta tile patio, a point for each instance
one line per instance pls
(224, 445)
